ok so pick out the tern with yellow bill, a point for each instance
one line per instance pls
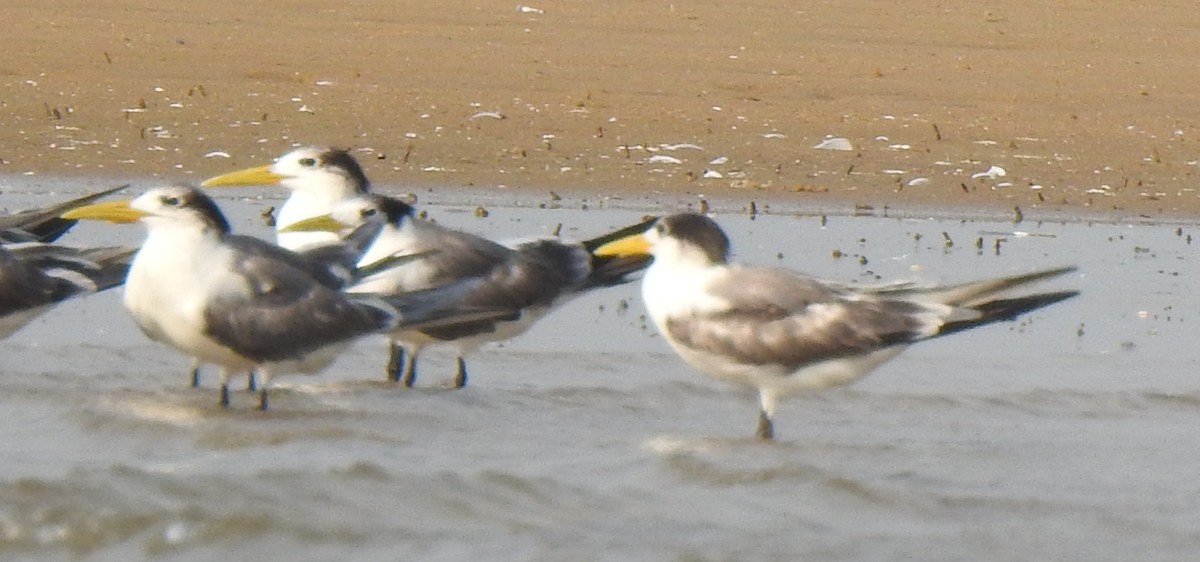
(784, 333)
(317, 178)
(244, 304)
(529, 278)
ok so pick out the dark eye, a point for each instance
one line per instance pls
(660, 228)
(308, 162)
(369, 212)
(170, 201)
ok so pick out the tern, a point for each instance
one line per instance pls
(46, 224)
(529, 278)
(243, 304)
(317, 177)
(34, 277)
(784, 333)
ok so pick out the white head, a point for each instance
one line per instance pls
(317, 177)
(178, 206)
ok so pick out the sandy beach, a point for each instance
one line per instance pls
(1064, 106)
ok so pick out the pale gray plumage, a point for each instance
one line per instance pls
(785, 333)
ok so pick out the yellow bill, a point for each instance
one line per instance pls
(111, 211)
(635, 245)
(259, 175)
(322, 223)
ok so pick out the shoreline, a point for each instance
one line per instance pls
(956, 107)
(34, 190)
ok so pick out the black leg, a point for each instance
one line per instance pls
(225, 394)
(262, 399)
(395, 361)
(410, 370)
(460, 378)
(766, 429)
(251, 382)
(195, 375)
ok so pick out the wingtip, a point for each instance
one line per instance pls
(967, 294)
(999, 310)
(45, 224)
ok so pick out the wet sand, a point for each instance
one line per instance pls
(1087, 107)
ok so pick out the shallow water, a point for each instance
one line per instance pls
(1066, 435)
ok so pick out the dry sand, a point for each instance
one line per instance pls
(1087, 106)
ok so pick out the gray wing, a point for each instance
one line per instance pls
(112, 265)
(458, 255)
(443, 308)
(340, 259)
(286, 312)
(324, 263)
(537, 273)
(541, 271)
(41, 275)
(778, 318)
(970, 293)
(44, 224)
(770, 288)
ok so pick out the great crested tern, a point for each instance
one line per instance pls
(529, 278)
(47, 224)
(317, 177)
(784, 333)
(34, 277)
(334, 263)
(243, 304)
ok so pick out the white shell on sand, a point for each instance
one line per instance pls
(991, 173)
(834, 143)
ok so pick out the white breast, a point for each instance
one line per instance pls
(170, 282)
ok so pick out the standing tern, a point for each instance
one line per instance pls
(318, 178)
(784, 333)
(47, 224)
(528, 278)
(241, 303)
